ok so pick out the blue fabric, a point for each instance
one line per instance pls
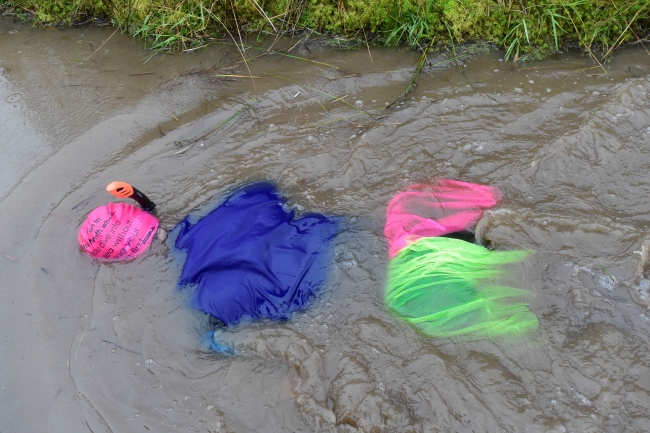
(251, 259)
(211, 344)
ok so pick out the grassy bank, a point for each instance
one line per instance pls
(526, 29)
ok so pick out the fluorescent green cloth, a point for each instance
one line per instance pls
(443, 286)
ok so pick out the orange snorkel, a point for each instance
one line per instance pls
(124, 190)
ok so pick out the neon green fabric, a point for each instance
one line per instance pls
(445, 287)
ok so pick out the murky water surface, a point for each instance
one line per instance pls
(114, 348)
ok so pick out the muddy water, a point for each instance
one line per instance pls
(113, 347)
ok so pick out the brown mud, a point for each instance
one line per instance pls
(114, 348)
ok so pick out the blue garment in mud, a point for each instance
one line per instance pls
(251, 259)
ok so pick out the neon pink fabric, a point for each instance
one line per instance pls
(117, 231)
(426, 210)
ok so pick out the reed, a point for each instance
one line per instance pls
(526, 29)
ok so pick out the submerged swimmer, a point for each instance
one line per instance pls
(441, 284)
(251, 258)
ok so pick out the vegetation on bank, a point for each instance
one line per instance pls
(525, 28)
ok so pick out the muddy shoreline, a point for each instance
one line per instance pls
(526, 31)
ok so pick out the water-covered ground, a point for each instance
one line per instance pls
(114, 348)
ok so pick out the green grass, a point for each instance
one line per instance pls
(526, 29)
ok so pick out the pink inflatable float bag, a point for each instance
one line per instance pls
(117, 231)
